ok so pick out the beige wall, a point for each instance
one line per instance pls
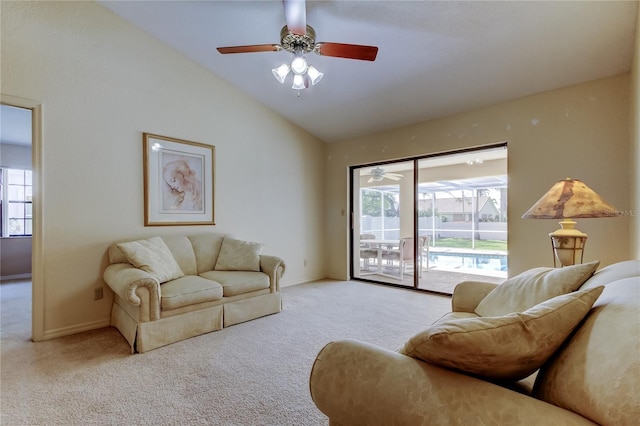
(580, 131)
(634, 181)
(101, 83)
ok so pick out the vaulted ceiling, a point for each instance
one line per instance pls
(435, 58)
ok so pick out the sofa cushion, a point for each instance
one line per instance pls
(614, 272)
(182, 251)
(525, 290)
(237, 255)
(188, 290)
(456, 316)
(596, 373)
(206, 248)
(238, 282)
(153, 256)
(505, 348)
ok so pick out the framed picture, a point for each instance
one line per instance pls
(178, 181)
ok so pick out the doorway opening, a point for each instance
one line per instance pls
(16, 193)
(430, 222)
(21, 149)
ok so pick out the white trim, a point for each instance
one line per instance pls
(74, 329)
(37, 249)
(303, 281)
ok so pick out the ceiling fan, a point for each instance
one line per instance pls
(299, 38)
(378, 174)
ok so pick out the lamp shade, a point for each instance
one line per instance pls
(570, 198)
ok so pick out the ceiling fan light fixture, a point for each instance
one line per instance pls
(299, 39)
(314, 75)
(281, 72)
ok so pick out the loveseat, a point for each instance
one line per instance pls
(172, 288)
(593, 377)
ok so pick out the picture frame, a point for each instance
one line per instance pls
(179, 179)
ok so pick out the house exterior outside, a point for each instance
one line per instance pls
(461, 209)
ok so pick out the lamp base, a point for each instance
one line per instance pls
(567, 243)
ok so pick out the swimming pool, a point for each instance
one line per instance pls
(455, 259)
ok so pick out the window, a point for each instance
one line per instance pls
(15, 202)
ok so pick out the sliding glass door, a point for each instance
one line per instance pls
(383, 226)
(431, 222)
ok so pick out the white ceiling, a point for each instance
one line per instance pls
(435, 58)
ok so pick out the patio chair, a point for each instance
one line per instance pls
(423, 249)
(366, 251)
(403, 255)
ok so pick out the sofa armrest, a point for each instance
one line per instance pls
(355, 383)
(274, 267)
(136, 287)
(468, 294)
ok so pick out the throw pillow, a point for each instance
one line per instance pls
(519, 293)
(237, 255)
(152, 255)
(506, 348)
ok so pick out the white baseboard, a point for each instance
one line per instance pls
(15, 277)
(304, 281)
(74, 329)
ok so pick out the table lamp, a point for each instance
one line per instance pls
(569, 199)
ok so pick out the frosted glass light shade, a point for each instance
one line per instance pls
(281, 72)
(303, 73)
(298, 82)
(299, 65)
(314, 75)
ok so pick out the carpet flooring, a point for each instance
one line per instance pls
(254, 373)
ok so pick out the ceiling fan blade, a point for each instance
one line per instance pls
(250, 48)
(370, 179)
(392, 177)
(295, 13)
(349, 51)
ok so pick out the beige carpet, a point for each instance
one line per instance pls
(255, 373)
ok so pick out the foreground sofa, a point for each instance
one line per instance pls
(176, 287)
(592, 378)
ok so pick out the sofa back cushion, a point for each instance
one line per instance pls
(206, 248)
(596, 373)
(116, 255)
(525, 290)
(182, 251)
(194, 254)
(615, 272)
